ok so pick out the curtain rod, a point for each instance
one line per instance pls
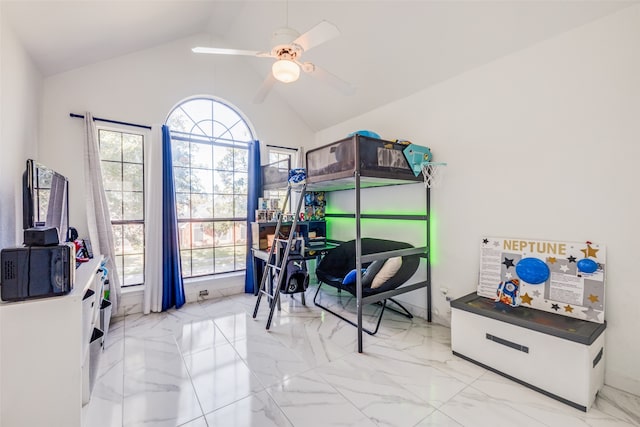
(280, 146)
(117, 122)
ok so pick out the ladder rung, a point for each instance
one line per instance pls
(277, 267)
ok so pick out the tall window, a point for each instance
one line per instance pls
(122, 161)
(210, 162)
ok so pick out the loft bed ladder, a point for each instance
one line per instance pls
(277, 259)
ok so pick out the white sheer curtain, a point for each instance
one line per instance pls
(153, 223)
(98, 218)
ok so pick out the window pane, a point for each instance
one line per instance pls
(133, 206)
(199, 110)
(112, 175)
(202, 261)
(132, 148)
(225, 259)
(223, 158)
(201, 181)
(240, 183)
(133, 235)
(241, 132)
(202, 206)
(202, 234)
(133, 269)
(110, 145)
(223, 182)
(114, 200)
(183, 206)
(184, 233)
(185, 258)
(220, 130)
(223, 206)
(241, 160)
(240, 232)
(201, 156)
(117, 239)
(119, 266)
(180, 153)
(240, 205)
(224, 233)
(179, 121)
(132, 177)
(181, 179)
(241, 257)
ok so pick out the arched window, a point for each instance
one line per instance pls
(210, 158)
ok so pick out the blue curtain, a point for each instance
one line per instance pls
(254, 191)
(172, 285)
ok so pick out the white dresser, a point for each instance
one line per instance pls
(44, 359)
(559, 356)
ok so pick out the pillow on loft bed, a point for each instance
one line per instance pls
(388, 270)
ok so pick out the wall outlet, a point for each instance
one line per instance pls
(203, 293)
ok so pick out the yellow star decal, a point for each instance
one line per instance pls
(568, 309)
(589, 251)
(526, 299)
(593, 298)
(552, 260)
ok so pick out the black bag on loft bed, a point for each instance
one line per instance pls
(334, 267)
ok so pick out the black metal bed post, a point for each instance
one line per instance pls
(358, 245)
(429, 293)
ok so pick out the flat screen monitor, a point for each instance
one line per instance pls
(45, 199)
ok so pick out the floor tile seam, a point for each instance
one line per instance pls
(432, 413)
(513, 405)
(634, 418)
(345, 398)
(394, 383)
(265, 390)
(193, 387)
(336, 391)
(246, 364)
(399, 384)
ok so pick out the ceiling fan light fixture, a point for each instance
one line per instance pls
(285, 71)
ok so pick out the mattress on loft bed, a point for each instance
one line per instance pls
(378, 162)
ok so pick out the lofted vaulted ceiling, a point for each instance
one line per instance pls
(386, 49)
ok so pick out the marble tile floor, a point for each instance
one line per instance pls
(210, 364)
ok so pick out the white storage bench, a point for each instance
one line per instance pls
(559, 356)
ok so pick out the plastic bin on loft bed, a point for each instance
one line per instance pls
(379, 163)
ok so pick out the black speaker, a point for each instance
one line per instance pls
(41, 236)
(36, 272)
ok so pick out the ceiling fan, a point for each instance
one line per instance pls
(287, 48)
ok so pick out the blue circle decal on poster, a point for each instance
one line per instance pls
(532, 270)
(587, 265)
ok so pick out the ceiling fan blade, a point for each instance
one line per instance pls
(223, 51)
(319, 34)
(266, 86)
(332, 80)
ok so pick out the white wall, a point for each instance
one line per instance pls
(20, 91)
(143, 88)
(20, 86)
(541, 144)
